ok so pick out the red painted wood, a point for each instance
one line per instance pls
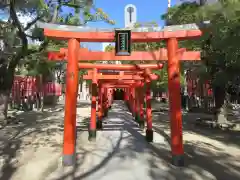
(110, 36)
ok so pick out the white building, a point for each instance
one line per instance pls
(207, 1)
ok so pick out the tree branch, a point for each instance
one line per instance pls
(13, 63)
(32, 37)
(29, 25)
(36, 19)
(40, 49)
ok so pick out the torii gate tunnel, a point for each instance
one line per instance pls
(132, 83)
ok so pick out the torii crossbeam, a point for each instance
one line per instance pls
(160, 55)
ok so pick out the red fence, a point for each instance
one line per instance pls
(27, 86)
(196, 87)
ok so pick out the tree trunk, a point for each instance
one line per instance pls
(7, 78)
(221, 104)
(40, 91)
(4, 98)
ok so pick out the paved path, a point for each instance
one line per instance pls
(32, 149)
(121, 153)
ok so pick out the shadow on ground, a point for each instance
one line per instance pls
(129, 146)
(80, 104)
(114, 151)
(29, 131)
(190, 126)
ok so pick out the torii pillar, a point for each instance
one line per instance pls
(175, 102)
(69, 138)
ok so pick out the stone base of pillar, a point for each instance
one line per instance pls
(99, 124)
(69, 160)
(149, 135)
(105, 113)
(141, 124)
(133, 115)
(92, 134)
(178, 160)
(137, 118)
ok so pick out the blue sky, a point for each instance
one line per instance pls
(147, 10)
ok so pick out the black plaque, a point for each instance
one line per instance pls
(123, 42)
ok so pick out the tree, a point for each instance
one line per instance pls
(219, 45)
(16, 45)
(15, 35)
(110, 48)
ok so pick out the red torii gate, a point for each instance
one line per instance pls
(118, 77)
(111, 81)
(95, 76)
(141, 72)
(74, 35)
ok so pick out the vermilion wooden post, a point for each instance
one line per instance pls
(126, 97)
(110, 98)
(130, 99)
(133, 101)
(127, 94)
(107, 98)
(149, 131)
(105, 103)
(175, 103)
(141, 101)
(92, 127)
(98, 99)
(100, 104)
(69, 139)
(137, 114)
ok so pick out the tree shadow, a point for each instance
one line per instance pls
(190, 126)
(28, 131)
(81, 104)
(9, 152)
(201, 162)
(121, 144)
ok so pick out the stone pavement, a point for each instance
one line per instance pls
(32, 149)
(121, 152)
